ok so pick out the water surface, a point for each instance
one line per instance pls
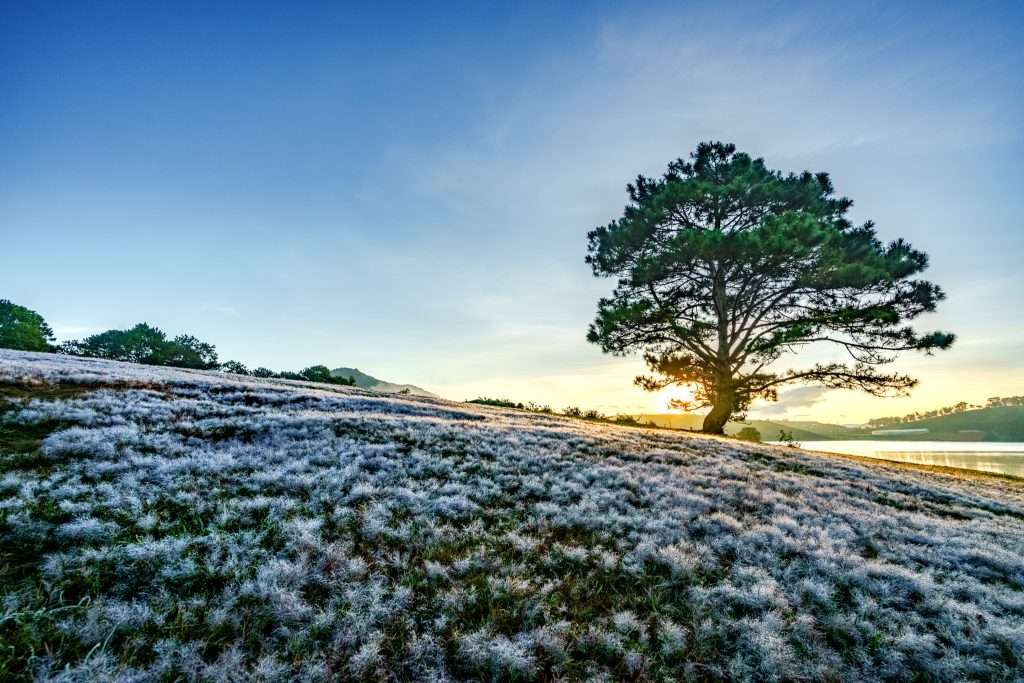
(986, 456)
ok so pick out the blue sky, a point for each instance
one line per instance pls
(407, 188)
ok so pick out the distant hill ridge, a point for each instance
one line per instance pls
(1000, 423)
(801, 430)
(365, 381)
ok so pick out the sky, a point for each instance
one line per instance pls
(406, 188)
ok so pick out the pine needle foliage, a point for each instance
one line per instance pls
(724, 265)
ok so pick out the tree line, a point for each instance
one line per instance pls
(23, 329)
(961, 407)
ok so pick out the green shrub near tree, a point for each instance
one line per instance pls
(749, 434)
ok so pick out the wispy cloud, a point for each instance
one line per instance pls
(791, 401)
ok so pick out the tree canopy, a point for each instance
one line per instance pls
(321, 373)
(235, 368)
(724, 265)
(22, 328)
(25, 330)
(148, 345)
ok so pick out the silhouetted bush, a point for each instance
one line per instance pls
(497, 402)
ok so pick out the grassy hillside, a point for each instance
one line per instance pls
(999, 424)
(169, 525)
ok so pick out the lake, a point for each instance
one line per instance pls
(986, 456)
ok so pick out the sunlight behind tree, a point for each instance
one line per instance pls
(724, 265)
(674, 399)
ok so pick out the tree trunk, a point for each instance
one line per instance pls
(721, 409)
(714, 422)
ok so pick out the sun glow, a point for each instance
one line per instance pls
(664, 398)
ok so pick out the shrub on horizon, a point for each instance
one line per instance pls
(287, 374)
(316, 373)
(497, 402)
(235, 368)
(321, 373)
(749, 434)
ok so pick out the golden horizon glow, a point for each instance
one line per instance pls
(662, 400)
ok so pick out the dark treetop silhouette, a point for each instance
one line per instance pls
(723, 265)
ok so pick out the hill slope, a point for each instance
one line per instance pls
(1002, 423)
(365, 381)
(168, 524)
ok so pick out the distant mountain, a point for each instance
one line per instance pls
(1001, 423)
(365, 381)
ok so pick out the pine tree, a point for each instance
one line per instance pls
(723, 265)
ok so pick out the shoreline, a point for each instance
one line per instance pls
(944, 470)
